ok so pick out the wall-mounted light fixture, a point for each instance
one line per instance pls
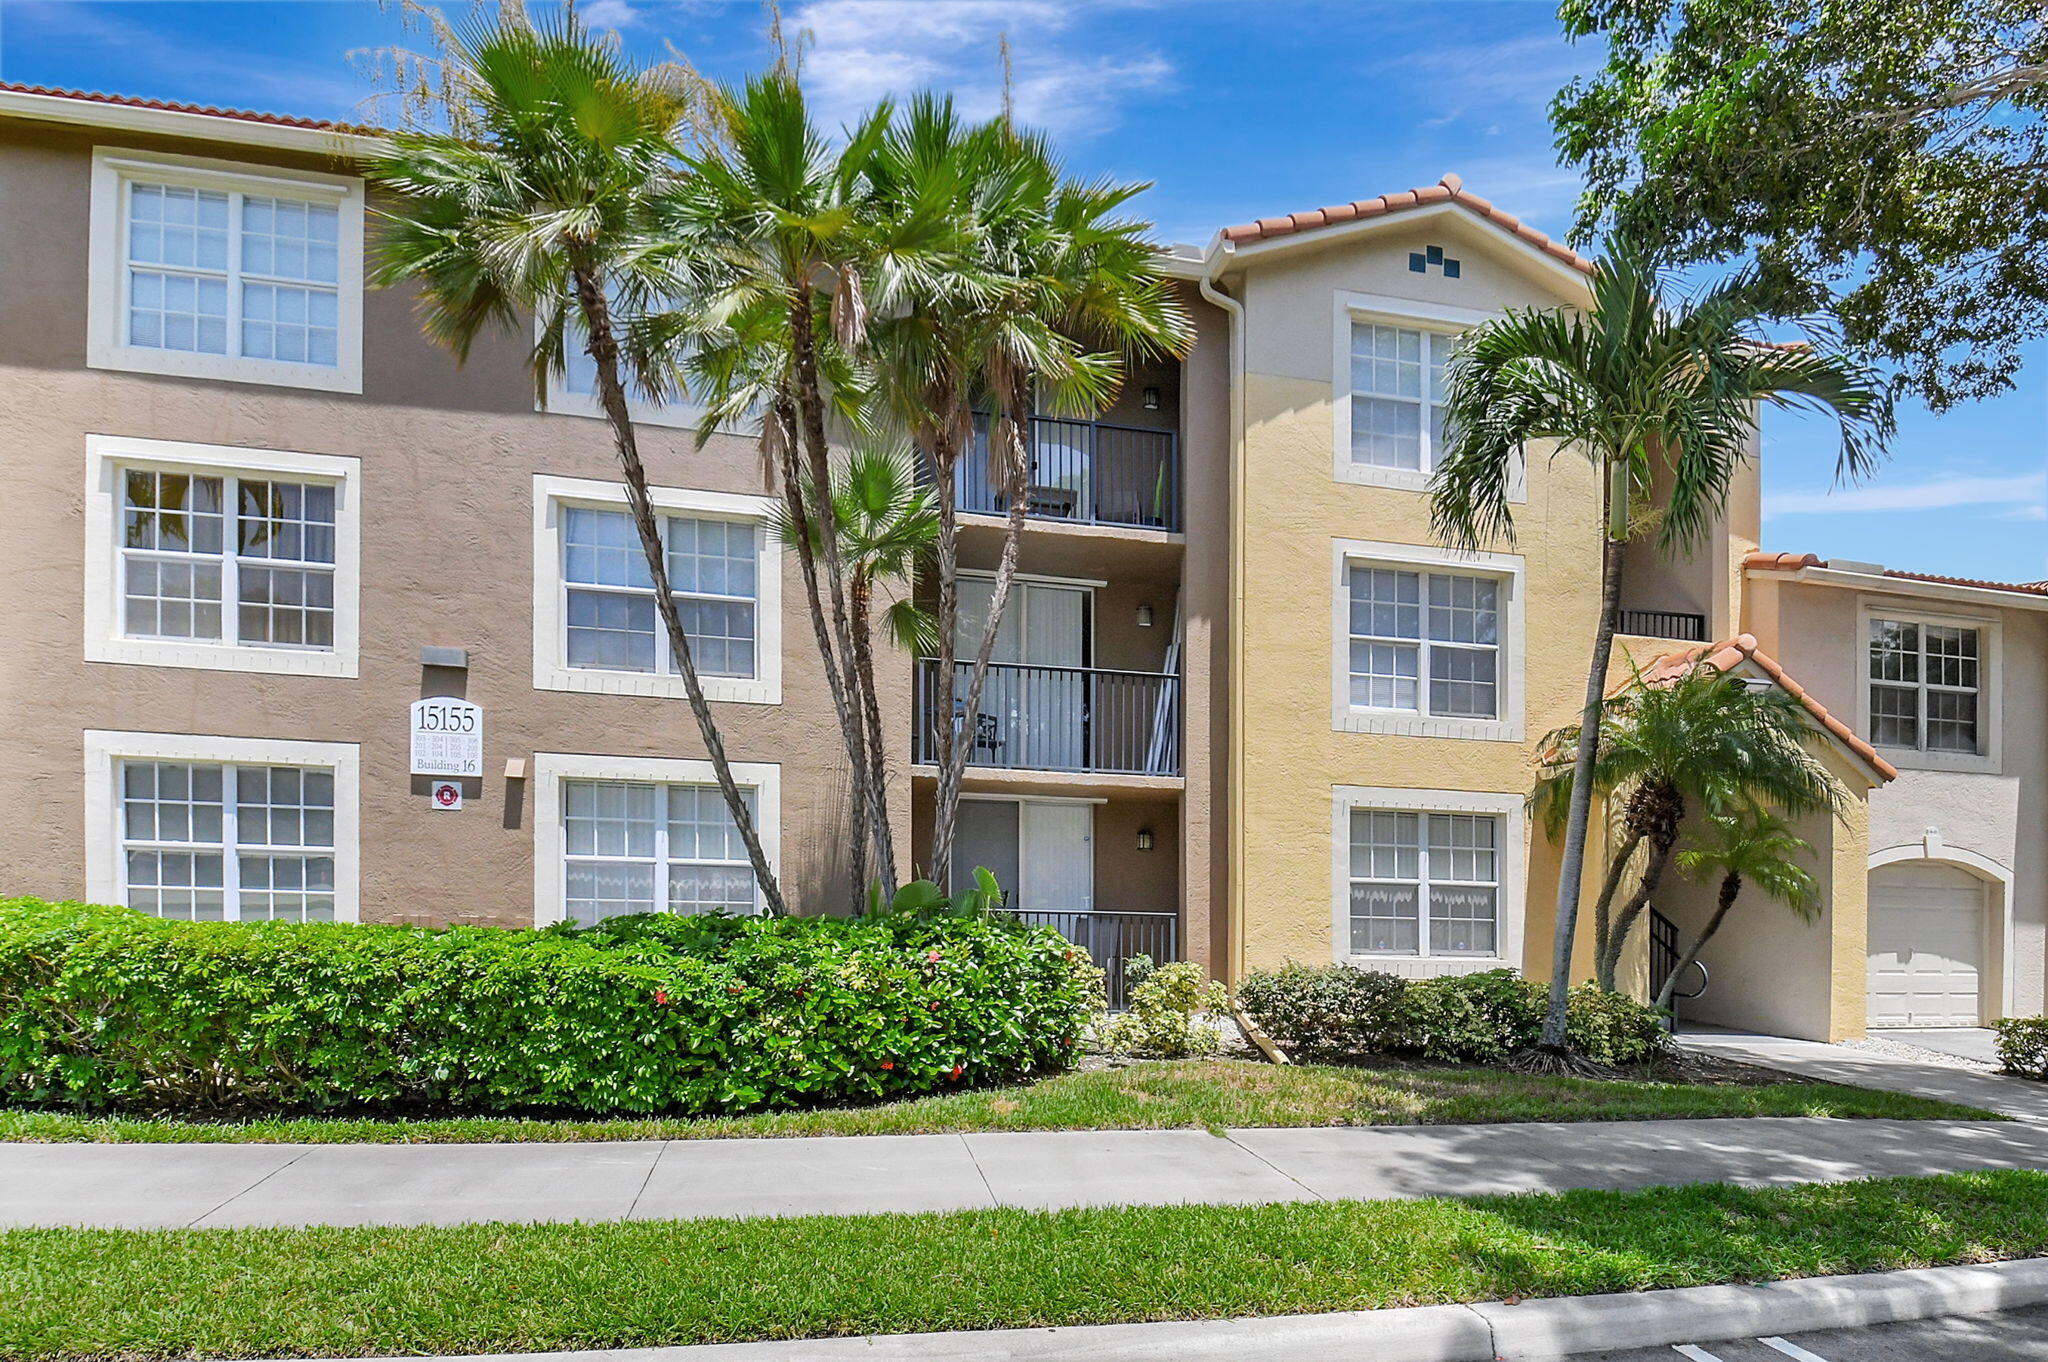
(1151, 399)
(1144, 617)
(1144, 839)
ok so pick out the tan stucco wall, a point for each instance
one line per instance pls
(447, 457)
(1295, 509)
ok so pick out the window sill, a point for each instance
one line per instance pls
(225, 369)
(1427, 966)
(137, 652)
(1913, 759)
(1408, 479)
(1424, 726)
(719, 689)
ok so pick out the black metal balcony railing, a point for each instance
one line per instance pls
(1059, 719)
(1112, 938)
(1665, 624)
(1085, 471)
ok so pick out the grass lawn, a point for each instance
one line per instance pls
(79, 1294)
(1211, 1094)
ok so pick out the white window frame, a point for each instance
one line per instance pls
(108, 456)
(1509, 901)
(114, 168)
(105, 750)
(551, 669)
(1990, 686)
(1409, 314)
(684, 414)
(551, 769)
(1507, 568)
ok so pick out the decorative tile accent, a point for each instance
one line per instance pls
(1419, 262)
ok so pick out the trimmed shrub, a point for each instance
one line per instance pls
(2023, 1045)
(103, 1007)
(1160, 1022)
(1335, 1012)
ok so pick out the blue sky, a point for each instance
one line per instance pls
(1234, 110)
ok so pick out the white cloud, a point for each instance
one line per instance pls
(608, 13)
(2025, 493)
(861, 50)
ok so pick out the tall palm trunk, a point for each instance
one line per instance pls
(860, 604)
(1572, 865)
(1608, 963)
(871, 791)
(946, 735)
(1013, 480)
(1617, 869)
(604, 352)
(1731, 888)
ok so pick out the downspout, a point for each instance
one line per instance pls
(1234, 842)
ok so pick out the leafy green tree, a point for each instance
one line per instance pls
(1651, 391)
(1701, 742)
(1889, 161)
(1758, 848)
(545, 198)
(1048, 291)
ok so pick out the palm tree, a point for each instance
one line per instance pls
(1048, 294)
(1639, 387)
(1756, 848)
(887, 529)
(1703, 740)
(549, 203)
(792, 249)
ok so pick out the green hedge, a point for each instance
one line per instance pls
(1335, 1012)
(102, 1007)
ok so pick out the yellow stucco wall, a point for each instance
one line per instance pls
(1295, 511)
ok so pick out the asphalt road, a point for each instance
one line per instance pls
(2013, 1336)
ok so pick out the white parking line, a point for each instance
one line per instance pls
(1696, 1353)
(1792, 1350)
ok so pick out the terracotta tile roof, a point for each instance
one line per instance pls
(1450, 189)
(1732, 653)
(174, 106)
(1793, 562)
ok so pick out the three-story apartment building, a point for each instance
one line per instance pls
(1244, 707)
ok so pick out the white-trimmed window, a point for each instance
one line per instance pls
(207, 829)
(1397, 395)
(575, 390)
(1428, 882)
(1425, 643)
(217, 269)
(218, 557)
(597, 626)
(622, 835)
(1926, 685)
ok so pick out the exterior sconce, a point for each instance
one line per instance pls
(1144, 839)
(1144, 617)
(1151, 399)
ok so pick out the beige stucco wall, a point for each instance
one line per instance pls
(1294, 510)
(1989, 822)
(447, 457)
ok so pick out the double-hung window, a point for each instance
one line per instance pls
(1926, 684)
(1425, 643)
(612, 623)
(597, 627)
(1397, 395)
(632, 847)
(226, 271)
(1424, 884)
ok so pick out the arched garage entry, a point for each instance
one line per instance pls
(1937, 938)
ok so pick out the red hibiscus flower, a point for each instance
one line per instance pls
(888, 1063)
(661, 997)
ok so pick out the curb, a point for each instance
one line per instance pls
(1489, 1332)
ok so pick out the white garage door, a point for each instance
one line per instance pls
(1928, 958)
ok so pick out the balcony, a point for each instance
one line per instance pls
(1675, 624)
(1060, 719)
(1086, 472)
(1110, 939)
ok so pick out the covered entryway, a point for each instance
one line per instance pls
(1930, 945)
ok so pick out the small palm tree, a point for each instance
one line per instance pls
(549, 203)
(1704, 741)
(1758, 848)
(1639, 387)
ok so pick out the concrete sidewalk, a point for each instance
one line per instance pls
(165, 1185)
(2022, 1099)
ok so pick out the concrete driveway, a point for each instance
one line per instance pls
(1964, 1042)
